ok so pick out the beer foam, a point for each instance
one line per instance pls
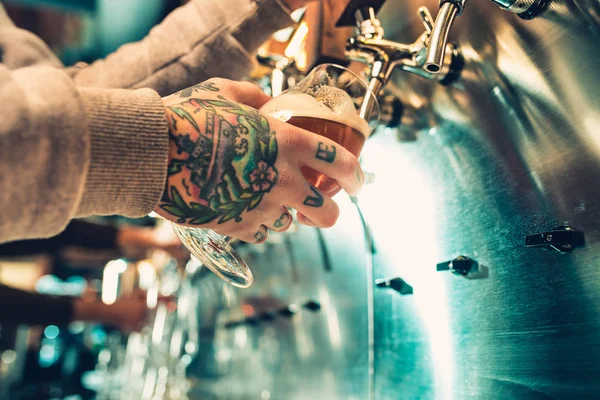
(328, 103)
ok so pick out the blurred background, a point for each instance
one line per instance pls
(85, 30)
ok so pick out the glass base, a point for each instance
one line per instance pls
(215, 252)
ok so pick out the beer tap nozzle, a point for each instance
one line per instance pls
(421, 57)
(438, 39)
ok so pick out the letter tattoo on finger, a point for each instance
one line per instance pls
(282, 221)
(326, 153)
(260, 236)
(314, 201)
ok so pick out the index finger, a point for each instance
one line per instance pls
(241, 92)
(321, 154)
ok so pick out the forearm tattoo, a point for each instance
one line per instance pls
(226, 153)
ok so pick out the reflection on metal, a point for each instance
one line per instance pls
(391, 111)
(291, 337)
(510, 149)
(272, 314)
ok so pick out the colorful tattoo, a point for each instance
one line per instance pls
(227, 153)
(204, 86)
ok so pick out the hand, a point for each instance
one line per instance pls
(127, 313)
(234, 170)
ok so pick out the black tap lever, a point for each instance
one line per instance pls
(397, 284)
(464, 266)
(563, 239)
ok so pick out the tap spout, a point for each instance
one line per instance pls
(449, 10)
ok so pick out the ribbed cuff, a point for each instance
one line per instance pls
(270, 16)
(129, 144)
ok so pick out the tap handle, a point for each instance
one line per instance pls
(426, 19)
(348, 17)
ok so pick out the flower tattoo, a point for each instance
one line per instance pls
(263, 177)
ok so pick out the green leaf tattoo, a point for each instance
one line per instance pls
(254, 202)
(182, 113)
(223, 159)
(204, 86)
(272, 155)
(175, 167)
(176, 211)
(177, 199)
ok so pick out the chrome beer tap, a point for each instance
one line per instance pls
(431, 56)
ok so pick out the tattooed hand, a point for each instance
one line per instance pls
(234, 170)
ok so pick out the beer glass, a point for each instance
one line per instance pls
(330, 101)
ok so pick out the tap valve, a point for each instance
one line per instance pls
(438, 40)
(526, 9)
(430, 56)
(368, 25)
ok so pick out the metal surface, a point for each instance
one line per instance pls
(518, 6)
(430, 56)
(509, 151)
(513, 149)
(319, 354)
(434, 60)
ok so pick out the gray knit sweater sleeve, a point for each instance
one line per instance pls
(76, 142)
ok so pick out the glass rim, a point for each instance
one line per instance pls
(360, 79)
